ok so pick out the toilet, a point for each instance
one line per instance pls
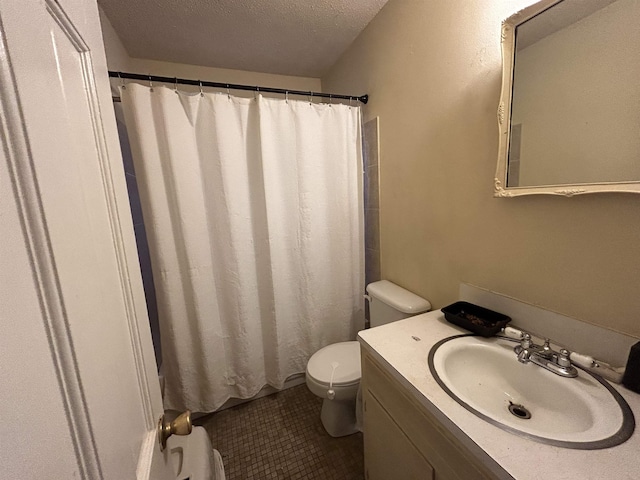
(333, 372)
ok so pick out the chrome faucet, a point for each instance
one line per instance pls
(523, 351)
(545, 357)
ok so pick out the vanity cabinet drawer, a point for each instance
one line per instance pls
(438, 448)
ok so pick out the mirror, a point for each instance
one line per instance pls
(569, 114)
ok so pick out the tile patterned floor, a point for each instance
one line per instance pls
(280, 437)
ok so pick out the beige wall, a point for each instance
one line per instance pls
(118, 59)
(117, 56)
(433, 72)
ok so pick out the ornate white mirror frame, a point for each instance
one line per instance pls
(501, 189)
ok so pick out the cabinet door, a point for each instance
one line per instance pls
(388, 453)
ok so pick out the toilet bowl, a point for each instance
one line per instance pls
(333, 372)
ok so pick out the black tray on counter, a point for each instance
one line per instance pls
(476, 319)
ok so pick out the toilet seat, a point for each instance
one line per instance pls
(346, 358)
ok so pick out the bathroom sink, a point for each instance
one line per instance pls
(484, 376)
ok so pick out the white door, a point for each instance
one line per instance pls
(79, 393)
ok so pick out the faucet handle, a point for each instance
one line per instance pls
(546, 347)
(563, 358)
(526, 340)
(512, 333)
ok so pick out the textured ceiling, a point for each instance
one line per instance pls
(288, 37)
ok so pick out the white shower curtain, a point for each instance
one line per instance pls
(253, 211)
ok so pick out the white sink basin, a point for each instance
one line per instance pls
(485, 377)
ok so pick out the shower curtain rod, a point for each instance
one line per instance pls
(233, 86)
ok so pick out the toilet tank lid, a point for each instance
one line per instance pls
(397, 297)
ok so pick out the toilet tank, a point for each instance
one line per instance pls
(388, 302)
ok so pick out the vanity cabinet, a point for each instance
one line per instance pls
(402, 440)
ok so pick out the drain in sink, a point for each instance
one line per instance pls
(519, 411)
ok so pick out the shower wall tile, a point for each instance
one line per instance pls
(134, 199)
(371, 189)
(127, 159)
(149, 288)
(371, 202)
(513, 176)
(370, 151)
(372, 228)
(370, 142)
(371, 177)
(372, 265)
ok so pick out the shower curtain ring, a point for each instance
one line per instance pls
(330, 101)
(150, 83)
(201, 92)
(228, 94)
(350, 99)
(175, 85)
(286, 97)
(310, 98)
(122, 85)
(256, 92)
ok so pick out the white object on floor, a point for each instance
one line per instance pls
(194, 458)
(339, 392)
(333, 372)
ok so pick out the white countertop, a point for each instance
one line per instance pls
(406, 359)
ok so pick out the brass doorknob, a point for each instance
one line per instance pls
(181, 425)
